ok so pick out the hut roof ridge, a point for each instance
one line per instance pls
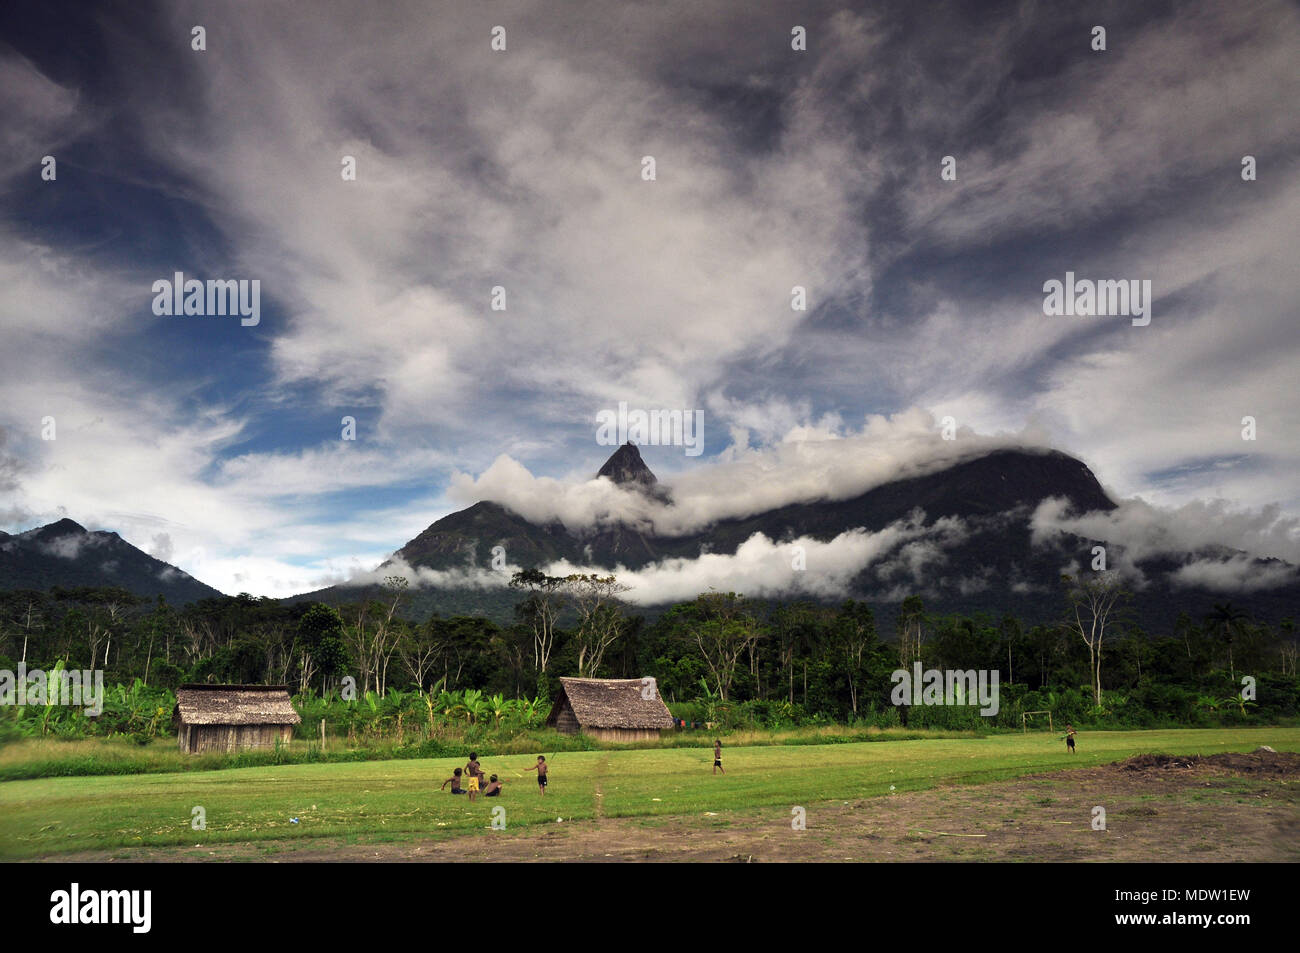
(615, 703)
(235, 705)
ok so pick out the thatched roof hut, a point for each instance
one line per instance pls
(615, 709)
(231, 717)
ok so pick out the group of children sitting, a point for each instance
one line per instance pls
(492, 788)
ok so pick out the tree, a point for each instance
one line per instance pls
(1012, 634)
(726, 631)
(1093, 603)
(387, 631)
(30, 617)
(358, 635)
(418, 648)
(795, 626)
(911, 620)
(546, 598)
(511, 646)
(600, 618)
(855, 636)
(320, 633)
(1288, 645)
(1228, 621)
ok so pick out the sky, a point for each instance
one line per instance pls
(519, 176)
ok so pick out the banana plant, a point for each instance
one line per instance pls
(1237, 700)
(530, 709)
(499, 708)
(473, 704)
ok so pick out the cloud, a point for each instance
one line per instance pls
(522, 170)
(162, 547)
(758, 568)
(1117, 123)
(1237, 574)
(40, 115)
(1221, 547)
(819, 464)
(1146, 531)
(71, 546)
(466, 577)
(763, 568)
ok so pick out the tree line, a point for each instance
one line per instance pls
(833, 660)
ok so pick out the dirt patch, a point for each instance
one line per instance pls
(1284, 764)
(1226, 807)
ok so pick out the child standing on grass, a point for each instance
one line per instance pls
(473, 769)
(1069, 738)
(454, 781)
(717, 756)
(540, 768)
(475, 774)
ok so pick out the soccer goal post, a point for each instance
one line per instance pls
(1024, 718)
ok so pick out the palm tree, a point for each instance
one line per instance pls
(1227, 620)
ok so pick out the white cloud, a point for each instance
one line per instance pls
(744, 480)
(522, 170)
(1146, 531)
(760, 567)
(1238, 574)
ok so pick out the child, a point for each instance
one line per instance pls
(454, 781)
(475, 774)
(473, 769)
(493, 788)
(717, 756)
(1069, 738)
(540, 768)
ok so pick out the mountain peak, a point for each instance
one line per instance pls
(626, 466)
(63, 527)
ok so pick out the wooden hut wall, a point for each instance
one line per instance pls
(198, 738)
(622, 734)
(565, 721)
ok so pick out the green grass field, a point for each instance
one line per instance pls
(400, 799)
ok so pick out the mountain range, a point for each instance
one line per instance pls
(66, 554)
(963, 537)
(970, 544)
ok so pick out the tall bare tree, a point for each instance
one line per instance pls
(600, 618)
(854, 634)
(359, 636)
(1094, 603)
(911, 630)
(727, 629)
(387, 630)
(547, 597)
(1289, 647)
(30, 618)
(418, 649)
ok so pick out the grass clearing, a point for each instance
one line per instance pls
(398, 801)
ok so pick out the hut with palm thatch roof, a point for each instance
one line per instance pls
(233, 717)
(612, 709)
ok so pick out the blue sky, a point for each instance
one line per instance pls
(217, 446)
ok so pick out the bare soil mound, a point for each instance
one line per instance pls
(1268, 764)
